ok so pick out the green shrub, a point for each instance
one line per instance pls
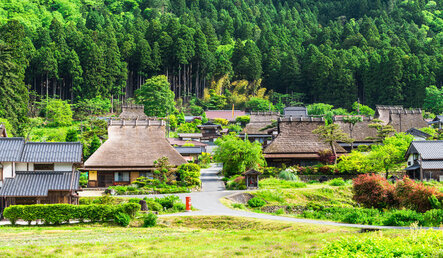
(256, 202)
(168, 201)
(280, 211)
(337, 182)
(149, 220)
(59, 213)
(189, 174)
(178, 206)
(153, 205)
(271, 195)
(134, 200)
(238, 206)
(433, 218)
(288, 175)
(122, 219)
(403, 218)
(278, 183)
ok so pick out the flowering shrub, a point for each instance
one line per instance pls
(326, 157)
(373, 190)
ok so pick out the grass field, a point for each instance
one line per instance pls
(180, 236)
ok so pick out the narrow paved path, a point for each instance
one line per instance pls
(208, 203)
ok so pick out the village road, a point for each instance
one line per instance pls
(208, 203)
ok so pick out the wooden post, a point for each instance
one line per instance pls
(421, 168)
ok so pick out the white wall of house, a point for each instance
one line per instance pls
(8, 169)
(21, 167)
(410, 160)
(63, 166)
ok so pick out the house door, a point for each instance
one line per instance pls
(105, 179)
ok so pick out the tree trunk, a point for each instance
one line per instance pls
(334, 153)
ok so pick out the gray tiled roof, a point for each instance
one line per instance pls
(295, 112)
(11, 149)
(39, 183)
(69, 152)
(190, 150)
(427, 149)
(432, 164)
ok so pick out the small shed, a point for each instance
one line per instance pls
(251, 178)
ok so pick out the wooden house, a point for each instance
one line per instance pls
(255, 129)
(190, 136)
(419, 135)
(130, 152)
(191, 153)
(425, 160)
(210, 131)
(38, 172)
(437, 122)
(296, 144)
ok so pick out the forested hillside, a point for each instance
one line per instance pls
(380, 52)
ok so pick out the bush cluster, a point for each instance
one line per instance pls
(432, 218)
(189, 174)
(149, 220)
(375, 191)
(151, 186)
(122, 219)
(256, 202)
(60, 213)
(337, 182)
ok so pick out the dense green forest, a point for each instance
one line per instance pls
(331, 51)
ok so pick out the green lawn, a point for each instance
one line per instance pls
(181, 236)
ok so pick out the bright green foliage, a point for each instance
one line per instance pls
(94, 106)
(187, 128)
(204, 159)
(383, 130)
(235, 128)
(337, 182)
(434, 100)
(221, 121)
(259, 104)
(419, 243)
(189, 173)
(156, 96)
(7, 125)
(149, 220)
(256, 202)
(331, 134)
(122, 219)
(243, 120)
(360, 109)
(238, 155)
(173, 122)
(58, 113)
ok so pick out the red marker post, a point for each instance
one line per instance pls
(188, 204)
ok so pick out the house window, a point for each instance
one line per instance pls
(121, 176)
(44, 167)
(146, 174)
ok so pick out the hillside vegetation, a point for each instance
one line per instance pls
(382, 52)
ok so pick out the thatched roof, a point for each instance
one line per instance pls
(260, 120)
(360, 131)
(401, 119)
(133, 112)
(135, 146)
(296, 137)
(3, 131)
(225, 114)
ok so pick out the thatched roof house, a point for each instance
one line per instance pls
(359, 132)
(401, 119)
(132, 111)
(258, 121)
(130, 152)
(296, 143)
(295, 112)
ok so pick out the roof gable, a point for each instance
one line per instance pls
(52, 152)
(429, 150)
(11, 149)
(39, 183)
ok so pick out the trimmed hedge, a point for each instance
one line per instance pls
(61, 213)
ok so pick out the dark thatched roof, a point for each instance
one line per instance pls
(133, 145)
(133, 112)
(360, 131)
(296, 137)
(260, 120)
(401, 119)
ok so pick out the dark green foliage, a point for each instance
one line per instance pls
(122, 219)
(256, 202)
(95, 144)
(149, 220)
(60, 213)
(337, 182)
(258, 104)
(72, 135)
(168, 201)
